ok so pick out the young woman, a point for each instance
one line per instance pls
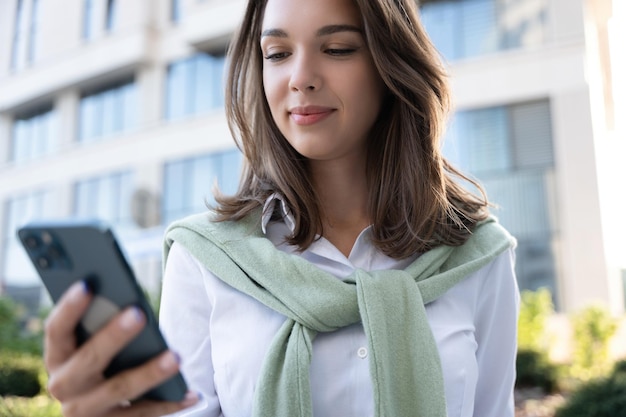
(351, 274)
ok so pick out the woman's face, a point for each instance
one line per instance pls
(319, 78)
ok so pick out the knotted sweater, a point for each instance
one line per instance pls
(404, 362)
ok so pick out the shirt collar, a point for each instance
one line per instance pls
(269, 209)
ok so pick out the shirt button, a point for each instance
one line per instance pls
(362, 352)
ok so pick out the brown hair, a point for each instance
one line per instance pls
(417, 201)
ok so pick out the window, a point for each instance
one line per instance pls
(18, 58)
(175, 10)
(111, 15)
(496, 140)
(90, 22)
(107, 198)
(34, 135)
(108, 111)
(35, 23)
(194, 85)
(509, 150)
(17, 269)
(467, 28)
(189, 182)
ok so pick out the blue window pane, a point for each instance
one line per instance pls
(205, 171)
(109, 110)
(479, 27)
(467, 28)
(84, 198)
(33, 136)
(89, 23)
(487, 137)
(174, 186)
(89, 118)
(39, 136)
(106, 197)
(176, 90)
(18, 59)
(219, 66)
(203, 89)
(175, 11)
(35, 20)
(21, 140)
(111, 15)
(190, 182)
(441, 21)
(230, 171)
(126, 114)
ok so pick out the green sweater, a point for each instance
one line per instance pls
(404, 361)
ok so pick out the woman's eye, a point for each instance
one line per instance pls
(340, 51)
(276, 56)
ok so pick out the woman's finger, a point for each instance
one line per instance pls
(127, 385)
(138, 409)
(85, 368)
(157, 408)
(60, 339)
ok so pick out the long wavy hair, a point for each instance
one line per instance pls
(417, 201)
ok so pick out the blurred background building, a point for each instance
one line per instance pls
(113, 109)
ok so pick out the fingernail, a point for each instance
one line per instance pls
(170, 361)
(191, 398)
(131, 318)
(78, 290)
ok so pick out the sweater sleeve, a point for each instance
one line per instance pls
(184, 320)
(496, 335)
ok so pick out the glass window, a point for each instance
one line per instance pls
(106, 197)
(440, 20)
(35, 22)
(107, 112)
(176, 90)
(467, 28)
(189, 183)
(479, 26)
(194, 85)
(509, 150)
(90, 22)
(18, 58)
(111, 15)
(531, 134)
(175, 10)
(34, 135)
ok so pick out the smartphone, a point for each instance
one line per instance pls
(64, 252)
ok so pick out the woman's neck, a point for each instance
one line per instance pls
(343, 193)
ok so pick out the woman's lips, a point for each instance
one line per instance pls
(305, 116)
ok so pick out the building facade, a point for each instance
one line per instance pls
(113, 109)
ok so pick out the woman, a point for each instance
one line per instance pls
(351, 275)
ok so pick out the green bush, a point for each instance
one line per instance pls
(535, 370)
(15, 336)
(593, 328)
(20, 374)
(535, 308)
(40, 406)
(603, 397)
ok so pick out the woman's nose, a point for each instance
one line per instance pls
(305, 74)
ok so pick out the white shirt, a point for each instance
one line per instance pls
(222, 335)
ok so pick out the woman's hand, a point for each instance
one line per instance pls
(76, 373)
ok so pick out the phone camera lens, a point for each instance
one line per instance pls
(31, 242)
(54, 252)
(43, 262)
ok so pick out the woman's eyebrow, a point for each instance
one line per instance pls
(323, 31)
(330, 29)
(274, 33)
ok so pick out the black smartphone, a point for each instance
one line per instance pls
(64, 252)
